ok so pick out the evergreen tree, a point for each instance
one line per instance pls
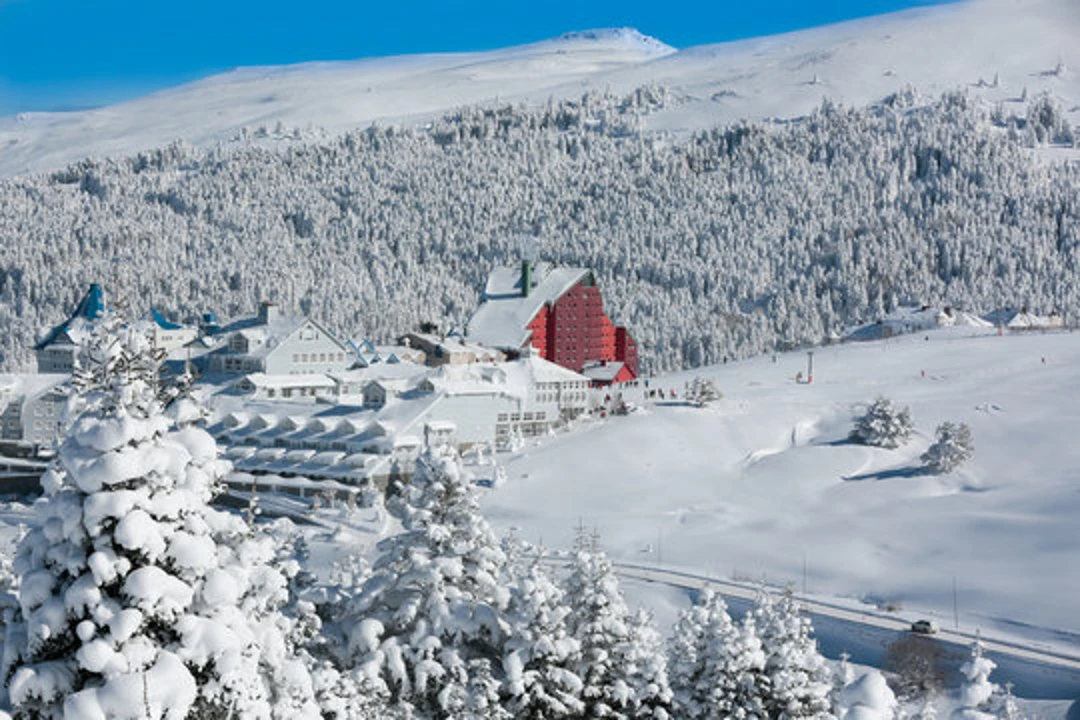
(799, 679)
(952, 447)
(883, 425)
(735, 676)
(540, 653)
(716, 665)
(618, 666)
(976, 690)
(434, 601)
(136, 598)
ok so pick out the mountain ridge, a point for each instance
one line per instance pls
(1001, 49)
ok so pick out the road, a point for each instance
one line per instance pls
(1036, 673)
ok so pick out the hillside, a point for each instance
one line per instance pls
(727, 243)
(765, 481)
(722, 242)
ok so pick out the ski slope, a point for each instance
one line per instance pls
(1002, 50)
(764, 485)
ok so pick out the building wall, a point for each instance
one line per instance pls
(542, 337)
(577, 326)
(56, 358)
(308, 350)
(41, 417)
(576, 330)
(626, 350)
(474, 416)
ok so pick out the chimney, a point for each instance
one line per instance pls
(268, 312)
(526, 278)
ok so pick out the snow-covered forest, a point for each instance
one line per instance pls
(726, 243)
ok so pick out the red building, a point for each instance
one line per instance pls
(559, 312)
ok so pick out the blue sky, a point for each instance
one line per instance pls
(62, 54)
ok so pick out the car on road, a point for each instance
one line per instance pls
(924, 627)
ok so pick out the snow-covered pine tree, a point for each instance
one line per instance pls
(702, 391)
(646, 664)
(137, 599)
(1009, 710)
(686, 663)
(953, 446)
(715, 664)
(976, 690)
(735, 679)
(435, 599)
(599, 623)
(616, 680)
(539, 652)
(800, 682)
(883, 425)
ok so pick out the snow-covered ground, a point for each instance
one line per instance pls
(765, 481)
(1002, 50)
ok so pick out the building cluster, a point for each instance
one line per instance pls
(292, 399)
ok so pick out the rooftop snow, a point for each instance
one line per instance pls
(501, 319)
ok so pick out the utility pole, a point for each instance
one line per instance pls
(804, 573)
(955, 605)
(809, 367)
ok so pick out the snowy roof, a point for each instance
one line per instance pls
(381, 371)
(262, 380)
(501, 319)
(602, 371)
(162, 323)
(90, 307)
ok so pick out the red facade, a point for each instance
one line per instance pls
(574, 330)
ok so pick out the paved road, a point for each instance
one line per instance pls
(1043, 673)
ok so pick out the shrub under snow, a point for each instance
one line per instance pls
(952, 447)
(883, 425)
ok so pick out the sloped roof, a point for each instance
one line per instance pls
(501, 319)
(162, 322)
(90, 307)
(602, 372)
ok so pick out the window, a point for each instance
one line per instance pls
(286, 392)
(502, 417)
(322, 357)
(303, 358)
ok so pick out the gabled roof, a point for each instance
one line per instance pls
(90, 307)
(502, 318)
(162, 323)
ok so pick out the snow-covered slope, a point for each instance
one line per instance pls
(764, 483)
(331, 96)
(1023, 44)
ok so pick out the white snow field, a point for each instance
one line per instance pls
(765, 480)
(1003, 50)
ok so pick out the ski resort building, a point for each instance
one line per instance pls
(377, 434)
(559, 312)
(56, 351)
(275, 344)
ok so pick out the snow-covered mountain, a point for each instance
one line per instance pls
(1002, 49)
